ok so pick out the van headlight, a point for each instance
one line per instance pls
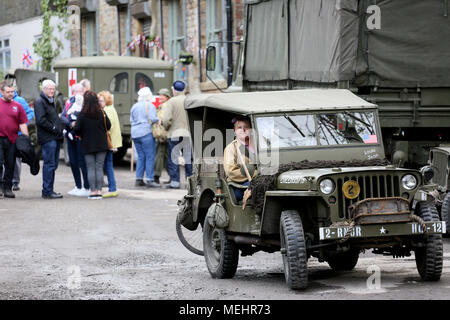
(409, 181)
(326, 186)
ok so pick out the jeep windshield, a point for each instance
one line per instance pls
(326, 129)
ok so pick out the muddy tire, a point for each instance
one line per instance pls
(345, 261)
(293, 250)
(429, 258)
(221, 254)
(445, 212)
(191, 239)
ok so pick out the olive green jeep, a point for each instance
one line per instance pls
(323, 189)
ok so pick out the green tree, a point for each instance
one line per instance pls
(48, 46)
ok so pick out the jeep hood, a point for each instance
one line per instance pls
(308, 179)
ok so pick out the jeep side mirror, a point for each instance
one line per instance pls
(211, 58)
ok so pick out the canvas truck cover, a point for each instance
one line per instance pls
(328, 40)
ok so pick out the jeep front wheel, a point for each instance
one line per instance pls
(293, 250)
(429, 257)
(221, 254)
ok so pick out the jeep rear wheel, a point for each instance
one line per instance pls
(293, 250)
(221, 254)
(445, 212)
(345, 261)
(429, 257)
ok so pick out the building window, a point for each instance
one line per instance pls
(90, 34)
(119, 84)
(5, 56)
(143, 81)
(143, 49)
(215, 31)
(176, 34)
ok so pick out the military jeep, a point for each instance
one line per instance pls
(323, 189)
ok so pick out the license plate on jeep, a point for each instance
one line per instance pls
(380, 230)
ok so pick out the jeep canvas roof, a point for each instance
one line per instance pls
(280, 101)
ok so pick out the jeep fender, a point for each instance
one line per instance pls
(277, 201)
(201, 206)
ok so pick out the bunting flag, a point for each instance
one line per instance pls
(156, 42)
(27, 59)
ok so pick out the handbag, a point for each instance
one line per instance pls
(158, 131)
(108, 136)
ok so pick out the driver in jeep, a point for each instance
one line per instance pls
(239, 158)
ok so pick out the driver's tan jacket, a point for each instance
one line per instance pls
(232, 164)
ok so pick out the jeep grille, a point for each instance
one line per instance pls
(373, 186)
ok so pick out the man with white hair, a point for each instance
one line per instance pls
(86, 84)
(50, 136)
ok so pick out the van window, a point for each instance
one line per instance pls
(119, 83)
(143, 81)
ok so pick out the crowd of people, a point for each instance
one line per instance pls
(90, 124)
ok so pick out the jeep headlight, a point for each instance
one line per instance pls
(326, 186)
(409, 181)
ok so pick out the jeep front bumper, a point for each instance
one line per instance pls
(380, 230)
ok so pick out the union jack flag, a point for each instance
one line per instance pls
(27, 60)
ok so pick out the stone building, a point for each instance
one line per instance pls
(161, 29)
(189, 25)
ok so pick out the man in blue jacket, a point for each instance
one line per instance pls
(30, 115)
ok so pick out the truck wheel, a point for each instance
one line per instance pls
(221, 254)
(293, 250)
(345, 261)
(429, 257)
(445, 212)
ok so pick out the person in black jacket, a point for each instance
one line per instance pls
(91, 126)
(50, 136)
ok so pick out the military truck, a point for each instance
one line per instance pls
(393, 53)
(324, 187)
(123, 76)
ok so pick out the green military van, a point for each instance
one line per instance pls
(123, 76)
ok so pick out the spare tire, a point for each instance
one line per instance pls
(445, 212)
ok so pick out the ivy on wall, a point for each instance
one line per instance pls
(48, 46)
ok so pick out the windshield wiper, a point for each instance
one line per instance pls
(294, 124)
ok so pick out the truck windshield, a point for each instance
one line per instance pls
(287, 131)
